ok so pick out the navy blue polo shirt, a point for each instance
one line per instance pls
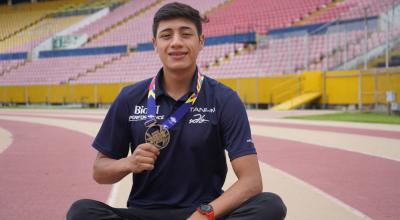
(191, 170)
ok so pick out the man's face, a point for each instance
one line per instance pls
(178, 44)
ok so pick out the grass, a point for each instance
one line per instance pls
(364, 117)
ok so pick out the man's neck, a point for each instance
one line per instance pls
(177, 84)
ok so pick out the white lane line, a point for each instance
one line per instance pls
(88, 128)
(369, 126)
(304, 201)
(113, 197)
(6, 138)
(373, 146)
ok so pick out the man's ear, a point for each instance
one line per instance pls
(155, 44)
(202, 39)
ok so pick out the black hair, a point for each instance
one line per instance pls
(178, 10)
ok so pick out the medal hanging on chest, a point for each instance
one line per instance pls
(158, 133)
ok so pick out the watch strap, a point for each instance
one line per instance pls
(209, 214)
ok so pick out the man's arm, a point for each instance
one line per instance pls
(249, 184)
(108, 171)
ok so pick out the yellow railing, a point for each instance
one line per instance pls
(336, 87)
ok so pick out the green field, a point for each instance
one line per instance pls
(354, 117)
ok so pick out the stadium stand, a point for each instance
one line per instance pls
(129, 23)
(133, 68)
(137, 66)
(259, 15)
(25, 30)
(15, 19)
(247, 61)
(136, 28)
(31, 37)
(351, 9)
(324, 51)
(115, 17)
(295, 54)
(8, 65)
(90, 5)
(54, 70)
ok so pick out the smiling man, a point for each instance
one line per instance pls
(178, 139)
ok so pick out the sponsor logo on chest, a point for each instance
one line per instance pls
(140, 113)
(201, 116)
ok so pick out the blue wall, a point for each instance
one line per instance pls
(84, 51)
(322, 28)
(14, 56)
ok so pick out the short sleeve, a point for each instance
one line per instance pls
(236, 128)
(113, 137)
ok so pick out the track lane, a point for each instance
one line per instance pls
(367, 183)
(374, 146)
(44, 170)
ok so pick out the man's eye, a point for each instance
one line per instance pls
(187, 34)
(165, 36)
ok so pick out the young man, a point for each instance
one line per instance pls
(178, 144)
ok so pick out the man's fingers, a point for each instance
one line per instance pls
(146, 153)
(143, 158)
(139, 164)
(149, 147)
(146, 160)
(147, 167)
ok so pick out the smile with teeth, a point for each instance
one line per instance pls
(178, 54)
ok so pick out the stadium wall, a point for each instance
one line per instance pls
(14, 56)
(336, 87)
(84, 51)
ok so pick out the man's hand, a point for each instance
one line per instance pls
(108, 171)
(142, 159)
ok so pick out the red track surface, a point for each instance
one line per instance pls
(44, 170)
(369, 184)
(32, 180)
(77, 118)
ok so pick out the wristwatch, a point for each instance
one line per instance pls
(207, 210)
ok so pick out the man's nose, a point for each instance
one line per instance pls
(176, 41)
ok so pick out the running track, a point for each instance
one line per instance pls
(322, 170)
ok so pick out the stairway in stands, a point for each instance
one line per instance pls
(318, 12)
(121, 22)
(93, 70)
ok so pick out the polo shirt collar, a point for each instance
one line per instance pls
(160, 90)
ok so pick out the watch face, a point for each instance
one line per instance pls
(205, 208)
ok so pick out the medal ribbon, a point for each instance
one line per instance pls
(180, 112)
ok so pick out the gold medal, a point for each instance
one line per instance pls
(157, 135)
